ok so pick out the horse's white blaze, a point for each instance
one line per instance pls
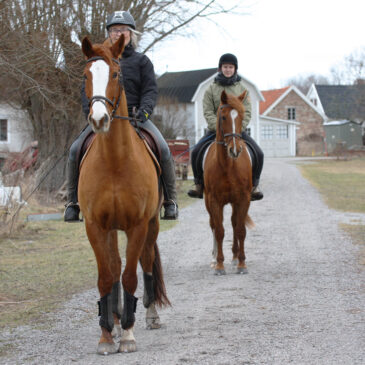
(100, 72)
(233, 117)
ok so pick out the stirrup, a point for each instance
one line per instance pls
(172, 209)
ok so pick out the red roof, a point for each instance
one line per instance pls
(270, 97)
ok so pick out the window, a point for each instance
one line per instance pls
(3, 129)
(314, 101)
(248, 131)
(291, 113)
(267, 132)
(282, 132)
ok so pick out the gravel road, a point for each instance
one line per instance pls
(301, 303)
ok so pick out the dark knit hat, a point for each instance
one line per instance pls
(228, 58)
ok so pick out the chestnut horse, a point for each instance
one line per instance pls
(228, 180)
(119, 190)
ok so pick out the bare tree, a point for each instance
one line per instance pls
(172, 119)
(351, 70)
(304, 81)
(41, 62)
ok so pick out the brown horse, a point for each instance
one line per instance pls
(228, 180)
(119, 190)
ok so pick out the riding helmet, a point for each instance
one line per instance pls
(120, 17)
(228, 58)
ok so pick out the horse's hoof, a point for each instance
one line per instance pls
(117, 331)
(219, 272)
(106, 348)
(241, 270)
(127, 346)
(153, 323)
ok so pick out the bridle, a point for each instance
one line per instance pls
(225, 135)
(106, 100)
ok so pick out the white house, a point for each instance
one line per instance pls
(14, 130)
(187, 89)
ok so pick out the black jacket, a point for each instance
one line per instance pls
(139, 82)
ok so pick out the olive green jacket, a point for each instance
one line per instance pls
(212, 99)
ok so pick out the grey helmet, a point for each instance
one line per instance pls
(120, 17)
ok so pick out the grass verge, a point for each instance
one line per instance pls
(46, 262)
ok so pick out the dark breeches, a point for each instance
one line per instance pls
(165, 151)
(259, 157)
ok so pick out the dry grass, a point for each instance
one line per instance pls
(342, 184)
(45, 263)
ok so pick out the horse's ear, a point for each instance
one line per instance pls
(118, 47)
(87, 47)
(243, 95)
(224, 97)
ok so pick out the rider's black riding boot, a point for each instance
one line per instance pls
(169, 177)
(72, 208)
(256, 193)
(198, 192)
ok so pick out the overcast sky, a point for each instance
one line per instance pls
(277, 40)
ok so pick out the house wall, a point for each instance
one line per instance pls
(310, 132)
(348, 134)
(19, 131)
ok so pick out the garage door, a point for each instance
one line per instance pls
(275, 139)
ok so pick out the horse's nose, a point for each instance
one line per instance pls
(101, 125)
(233, 152)
(106, 122)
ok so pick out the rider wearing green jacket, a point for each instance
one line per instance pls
(228, 80)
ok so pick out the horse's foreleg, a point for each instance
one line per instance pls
(216, 223)
(99, 241)
(239, 213)
(136, 238)
(115, 266)
(235, 246)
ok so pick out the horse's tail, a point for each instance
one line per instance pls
(159, 285)
(249, 223)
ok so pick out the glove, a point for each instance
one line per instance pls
(142, 115)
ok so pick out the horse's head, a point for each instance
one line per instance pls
(102, 87)
(229, 124)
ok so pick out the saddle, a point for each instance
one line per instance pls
(200, 157)
(149, 139)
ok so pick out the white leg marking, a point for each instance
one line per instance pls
(128, 335)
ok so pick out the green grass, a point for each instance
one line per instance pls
(45, 263)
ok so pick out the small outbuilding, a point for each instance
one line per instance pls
(342, 133)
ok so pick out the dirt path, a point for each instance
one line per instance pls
(301, 303)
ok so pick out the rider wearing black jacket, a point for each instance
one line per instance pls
(141, 92)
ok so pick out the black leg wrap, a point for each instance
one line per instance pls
(149, 292)
(105, 312)
(129, 308)
(117, 299)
